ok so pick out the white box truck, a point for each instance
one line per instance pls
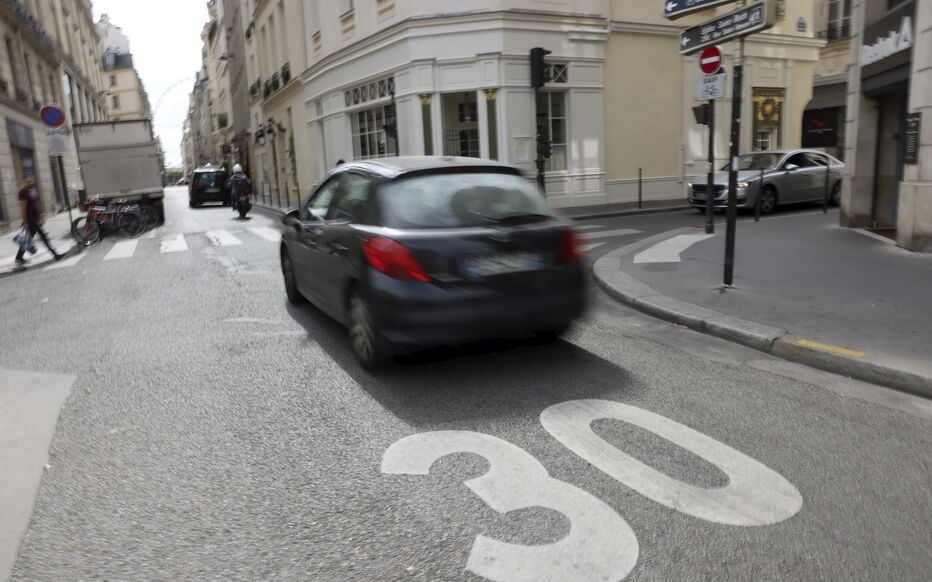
(121, 160)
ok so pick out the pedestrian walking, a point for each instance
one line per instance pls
(30, 206)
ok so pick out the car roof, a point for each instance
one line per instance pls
(205, 170)
(398, 166)
(786, 152)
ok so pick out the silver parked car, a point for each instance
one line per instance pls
(789, 176)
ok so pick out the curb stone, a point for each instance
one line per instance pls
(880, 369)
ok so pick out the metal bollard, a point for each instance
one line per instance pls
(760, 192)
(640, 188)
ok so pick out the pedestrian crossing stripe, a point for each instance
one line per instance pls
(122, 250)
(223, 238)
(173, 244)
(268, 233)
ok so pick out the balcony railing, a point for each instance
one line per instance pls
(222, 120)
(21, 96)
(22, 13)
(286, 73)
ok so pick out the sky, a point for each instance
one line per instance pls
(165, 39)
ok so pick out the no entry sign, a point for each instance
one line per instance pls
(52, 116)
(710, 61)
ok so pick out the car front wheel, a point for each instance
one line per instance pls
(291, 286)
(768, 200)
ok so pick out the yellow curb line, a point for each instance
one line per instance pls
(829, 348)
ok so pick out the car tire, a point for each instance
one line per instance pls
(835, 198)
(291, 285)
(368, 346)
(768, 200)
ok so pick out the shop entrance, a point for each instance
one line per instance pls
(461, 125)
(892, 109)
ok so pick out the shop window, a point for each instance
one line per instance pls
(553, 103)
(768, 111)
(370, 140)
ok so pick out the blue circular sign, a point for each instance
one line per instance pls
(52, 116)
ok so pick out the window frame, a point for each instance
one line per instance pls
(373, 132)
(306, 215)
(547, 95)
(366, 216)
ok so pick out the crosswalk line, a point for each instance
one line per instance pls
(587, 226)
(268, 233)
(66, 263)
(173, 244)
(223, 238)
(587, 248)
(610, 233)
(122, 250)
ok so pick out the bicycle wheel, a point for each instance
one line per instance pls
(149, 215)
(85, 232)
(130, 224)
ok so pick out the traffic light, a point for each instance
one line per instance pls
(538, 67)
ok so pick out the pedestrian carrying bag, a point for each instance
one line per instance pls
(24, 240)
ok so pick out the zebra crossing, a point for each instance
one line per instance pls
(170, 244)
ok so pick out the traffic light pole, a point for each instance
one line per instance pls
(734, 152)
(541, 114)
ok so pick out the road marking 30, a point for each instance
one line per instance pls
(600, 544)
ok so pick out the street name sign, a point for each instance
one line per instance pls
(673, 9)
(710, 87)
(737, 24)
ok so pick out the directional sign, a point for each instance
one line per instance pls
(710, 87)
(52, 116)
(673, 9)
(741, 22)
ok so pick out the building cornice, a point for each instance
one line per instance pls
(587, 28)
(283, 94)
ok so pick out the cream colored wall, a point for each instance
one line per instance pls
(129, 91)
(643, 101)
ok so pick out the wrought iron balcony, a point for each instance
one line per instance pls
(30, 23)
(286, 73)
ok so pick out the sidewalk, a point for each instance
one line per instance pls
(624, 209)
(59, 230)
(805, 290)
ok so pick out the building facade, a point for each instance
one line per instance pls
(457, 82)
(888, 182)
(48, 56)
(823, 123)
(275, 46)
(125, 93)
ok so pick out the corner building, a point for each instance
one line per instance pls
(888, 185)
(457, 82)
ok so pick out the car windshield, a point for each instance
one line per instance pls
(209, 179)
(456, 200)
(756, 162)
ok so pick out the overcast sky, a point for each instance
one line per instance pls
(165, 39)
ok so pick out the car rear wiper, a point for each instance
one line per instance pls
(516, 218)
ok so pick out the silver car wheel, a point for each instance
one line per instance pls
(768, 200)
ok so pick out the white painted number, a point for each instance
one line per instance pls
(599, 546)
(755, 495)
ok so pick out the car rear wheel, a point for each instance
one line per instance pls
(368, 347)
(291, 286)
(768, 200)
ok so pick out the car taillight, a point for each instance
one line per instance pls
(570, 251)
(394, 259)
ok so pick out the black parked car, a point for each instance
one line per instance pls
(208, 184)
(432, 250)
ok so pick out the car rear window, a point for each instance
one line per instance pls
(209, 179)
(460, 200)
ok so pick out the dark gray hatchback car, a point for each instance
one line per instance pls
(432, 250)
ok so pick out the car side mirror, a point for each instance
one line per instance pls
(790, 167)
(292, 219)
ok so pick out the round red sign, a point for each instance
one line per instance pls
(52, 116)
(710, 61)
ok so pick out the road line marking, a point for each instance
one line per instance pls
(669, 250)
(149, 235)
(610, 233)
(173, 244)
(67, 262)
(223, 238)
(588, 226)
(587, 248)
(829, 348)
(268, 233)
(122, 250)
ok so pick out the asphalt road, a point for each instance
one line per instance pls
(215, 433)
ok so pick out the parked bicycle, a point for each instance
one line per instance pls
(130, 219)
